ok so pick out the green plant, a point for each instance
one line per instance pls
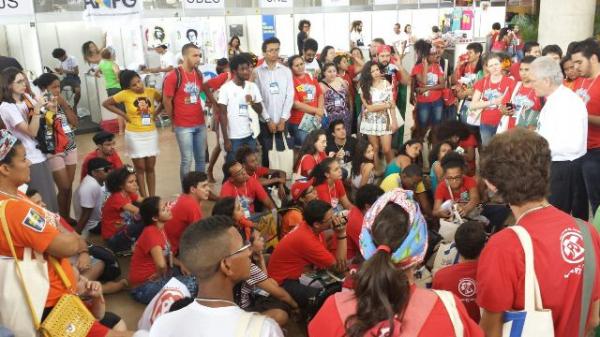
(528, 26)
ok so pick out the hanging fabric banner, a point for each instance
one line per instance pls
(276, 3)
(16, 7)
(123, 10)
(203, 4)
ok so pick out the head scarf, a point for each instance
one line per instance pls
(383, 48)
(413, 248)
(7, 142)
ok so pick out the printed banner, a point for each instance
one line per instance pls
(112, 8)
(276, 3)
(16, 7)
(203, 4)
(268, 26)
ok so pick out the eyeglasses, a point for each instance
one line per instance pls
(246, 245)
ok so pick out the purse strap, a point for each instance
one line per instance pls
(533, 298)
(449, 302)
(34, 317)
(589, 271)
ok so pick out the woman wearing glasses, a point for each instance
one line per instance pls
(464, 188)
(153, 263)
(21, 116)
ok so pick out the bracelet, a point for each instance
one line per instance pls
(342, 237)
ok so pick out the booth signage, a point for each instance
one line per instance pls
(335, 3)
(16, 7)
(100, 8)
(203, 4)
(268, 26)
(276, 3)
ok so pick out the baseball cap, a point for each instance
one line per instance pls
(97, 163)
(102, 137)
(299, 188)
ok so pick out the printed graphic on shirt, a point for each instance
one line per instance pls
(192, 91)
(432, 79)
(467, 287)
(583, 93)
(491, 94)
(522, 103)
(163, 304)
(245, 203)
(571, 243)
(34, 221)
(143, 105)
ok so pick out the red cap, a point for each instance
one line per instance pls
(299, 187)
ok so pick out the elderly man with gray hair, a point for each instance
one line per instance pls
(563, 123)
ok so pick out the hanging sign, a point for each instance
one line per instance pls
(16, 7)
(335, 3)
(276, 3)
(268, 26)
(112, 8)
(203, 4)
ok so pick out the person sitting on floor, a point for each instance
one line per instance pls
(410, 179)
(365, 197)
(105, 148)
(302, 193)
(153, 262)
(231, 206)
(90, 196)
(188, 206)
(266, 176)
(247, 189)
(464, 188)
(311, 153)
(328, 183)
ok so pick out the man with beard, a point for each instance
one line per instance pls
(356, 37)
(311, 65)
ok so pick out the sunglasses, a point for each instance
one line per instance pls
(130, 169)
(105, 169)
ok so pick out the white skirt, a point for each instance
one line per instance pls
(141, 144)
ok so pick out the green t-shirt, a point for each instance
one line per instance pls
(110, 78)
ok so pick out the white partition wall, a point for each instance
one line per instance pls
(336, 27)
(385, 24)
(284, 26)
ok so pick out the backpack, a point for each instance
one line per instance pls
(179, 79)
(51, 136)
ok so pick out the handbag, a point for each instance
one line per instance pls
(250, 325)
(504, 124)
(15, 314)
(589, 272)
(533, 320)
(281, 160)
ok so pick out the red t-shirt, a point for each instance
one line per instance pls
(306, 90)
(216, 82)
(460, 280)
(353, 229)
(433, 75)
(514, 71)
(142, 264)
(462, 196)
(114, 159)
(331, 195)
(185, 211)
(348, 77)
(558, 251)
(112, 221)
(300, 248)
(308, 163)
(470, 143)
(260, 172)
(463, 69)
(248, 193)
(327, 322)
(593, 108)
(490, 91)
(187, 106)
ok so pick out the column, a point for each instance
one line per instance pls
(563, 21)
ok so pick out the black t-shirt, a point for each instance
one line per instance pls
(300, 42)
(7, 62)
(348, 147)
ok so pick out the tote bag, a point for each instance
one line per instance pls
(282, 160)
(14, 311)
(533, 320)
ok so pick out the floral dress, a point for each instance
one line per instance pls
(336, 106)
(378, 123)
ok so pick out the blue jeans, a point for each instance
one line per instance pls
(192, 142)
(591, 176)
(298, 135)
(144, 293)
(124, 239)
(430, 113)
(236, 144)
(487, 132)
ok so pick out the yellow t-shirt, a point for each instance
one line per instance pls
(139, 108)
(393, 181)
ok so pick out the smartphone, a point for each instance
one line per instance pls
(509, 105)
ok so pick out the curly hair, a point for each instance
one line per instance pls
(517, 162)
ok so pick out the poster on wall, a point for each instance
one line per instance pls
(276, 3)
(236, 30)
(335, 3)
(268, 26)
(206, 33)
(203, 4)
(156, 35)
(16, 7)
(111, 10)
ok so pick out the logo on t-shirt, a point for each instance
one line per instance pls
(491, 94)
(571, 246)
(164, 302)
(467, 287)
(583, 93)
(34, 221)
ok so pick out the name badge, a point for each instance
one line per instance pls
(310, 97)
(338, 102)
(243, 110)
(274, 88)
(146, 120)
(65, 125)
(193, 99)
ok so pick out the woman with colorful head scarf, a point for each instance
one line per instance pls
(385, 301)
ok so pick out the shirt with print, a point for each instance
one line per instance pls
(462, 196)
(331, 195)
(460, 279)
(527, 106)
(297, 250)
(593, 109)
(14, 114)
(140, 108)
(581, 86)
(142, 264)
(186, 211)
(433, 75)
(558, 255)
(306, 90)
(114, 218)
(249, 286)
(114, 159)
(238, 118)
(67, 129)
(490, 91)
(187, 106)
(247, 194)
(348, 147)
(35, 227)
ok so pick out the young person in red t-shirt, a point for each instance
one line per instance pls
(568, 68)
(153, 262)
(329, 186)
(460, 279)
(365, 197)
(491, 93)
(305, 246)
(311, 153)
(247, 189)
(557, 241)
(188, 206)
(308, 99)
(460, 135)
(120, 213)
(464, 188)
(526, 104)
(184, 107)
(105, 148)
(393, 243)
(430, 81)
(266, 176)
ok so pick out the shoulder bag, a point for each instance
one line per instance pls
(449, 302)
(250, 325)
(281, 160)
(505, 120)
(589, 273)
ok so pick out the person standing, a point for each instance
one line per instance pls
(8, 62)
(182, 104)
(304, 31)
(356, 37)
(586, 60)
(274, 80)
(311, 63)
(109, 69)
(233, 48)
(336, 96)
(430, 83)
(563, 122)
(68, 67)
(235, 99)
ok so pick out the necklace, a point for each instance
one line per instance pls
(214, 300)
(537, 208)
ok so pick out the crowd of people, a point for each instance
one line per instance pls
(325, 215)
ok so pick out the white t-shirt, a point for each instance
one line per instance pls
(312, 68)
(69, 64)
(167, 59)
(196, 320)
(14, 114)
(234, 97)
(357, 38)
(90, 194)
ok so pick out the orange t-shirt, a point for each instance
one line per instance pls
(35, 227)
(291, 220)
